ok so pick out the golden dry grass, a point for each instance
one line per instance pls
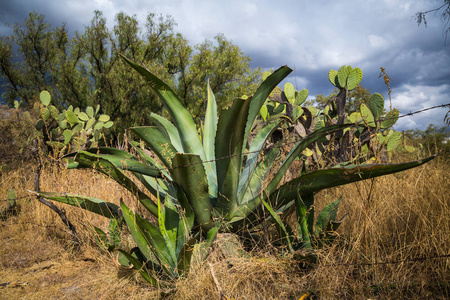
(394, 227)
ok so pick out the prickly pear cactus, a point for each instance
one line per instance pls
(346, 77)
(372, 135)
(72, 128)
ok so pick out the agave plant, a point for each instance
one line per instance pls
(310, 234)
(204, 183)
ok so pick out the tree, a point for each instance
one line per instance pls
(445, 16)
(227, 70)
(87, 70)
(40, 48)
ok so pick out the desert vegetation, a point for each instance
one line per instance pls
(264, 196)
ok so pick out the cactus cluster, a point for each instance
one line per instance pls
(372, 136)
(346, 77)
(285, 102)
(71, 126)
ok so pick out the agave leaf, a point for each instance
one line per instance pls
(155, 242)
(299, 148)
(327, 215)
(150, 160)
(101, 238)
(210, 236)
(169, 129)
(139, 238)
(163, 186)
(229, 145)
(252, 158)
(179, 114)
(209, 138)
(189, 173)
(303, 217)
(185, 255)
(108, 168)
(334, 225)
(251, 198)
(186, 221)
(168, 225)
(137, 265)
(261, 94)
(122, 161)
(98, 206)
(322, 179)
(158, 142)
(115, 231)
(284, 231)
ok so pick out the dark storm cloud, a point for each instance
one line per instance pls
(311, 37)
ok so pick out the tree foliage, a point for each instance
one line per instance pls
(86, 70)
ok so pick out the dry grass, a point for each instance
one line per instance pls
(394, 226)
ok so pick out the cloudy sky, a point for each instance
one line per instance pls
(311, 37)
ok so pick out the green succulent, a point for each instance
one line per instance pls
(216, 181)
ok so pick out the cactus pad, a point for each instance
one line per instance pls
(342, 76)
(390, 119)
(289, 91)
(332, 76)
(367, 116)
(354, 78)
(45, 98)
(376, 105)
(301, 97)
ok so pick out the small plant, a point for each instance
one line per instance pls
(310, 235)
(216, 181)
(112, 240)
(12, 208)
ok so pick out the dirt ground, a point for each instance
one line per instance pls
(42, 266)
